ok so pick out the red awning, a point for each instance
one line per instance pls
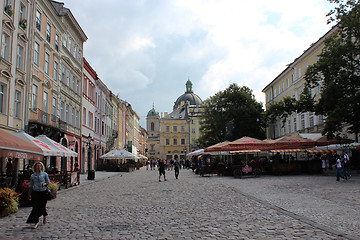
(245, 151)
(14, 147)
(285, 150)
(321, 151)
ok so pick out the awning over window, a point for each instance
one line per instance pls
(321, 151)
(66, 152)
(246, 151)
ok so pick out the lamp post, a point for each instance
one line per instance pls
(91, 173)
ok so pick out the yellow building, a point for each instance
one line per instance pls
(173, 135)
(291, 82)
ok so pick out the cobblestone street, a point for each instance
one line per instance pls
(136, 206)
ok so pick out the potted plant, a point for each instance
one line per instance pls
(23, 190)
(8, 9)
(23, 23)
(53, 187)
(9, 201)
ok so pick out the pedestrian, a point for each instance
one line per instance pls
(151, 164)
(176, 168)
(346, 166)
(161, 166)
(338, 169)
(323, 165)
(147, 165)
(37, 194)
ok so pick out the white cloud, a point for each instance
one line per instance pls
(146, 49)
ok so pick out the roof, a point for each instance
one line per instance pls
(189, 96)
(178, 113)
(153, 112)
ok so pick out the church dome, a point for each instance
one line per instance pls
(188, 96)
(153, 112)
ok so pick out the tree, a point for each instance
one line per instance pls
(230, 115)
(338, 71)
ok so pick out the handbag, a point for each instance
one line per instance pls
(49, 195)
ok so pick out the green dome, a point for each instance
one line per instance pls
(153, 112)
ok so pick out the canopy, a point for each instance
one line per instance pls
(216, 147)
(14, 147)
(195, 153)
(142, 157)
(324, 140)
(246, 151)
(321, 151)
(340, 147)
(64, 151)
(290, 142)
(246, 143)
(118, 154)
(285, 150)
(46, 148)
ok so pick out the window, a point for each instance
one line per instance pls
(38, 20)
(102, 127)
(47, 63)
(57, 42)
(17, 104)
(289, 126)
(287, 83)
(91, 117)
(152, 126)
(84, 116)
(48, 32)
(175, 128)
(34, 97)
(75, 51)
(73, 116)
(36, 53)
(95, 124)
(22, 11)
(77, 118)
(183, 141)
(67, 113)
(279, 91)
(19, 57)
(73, 83)
(167, 141)
(182, 128)
(175, 141)
(311, 119)
(69, 46)
(85, 86)
(62, 111)
(2, 98)
(303, 121)
(45, 102)
(77, 86)
(193, 130)
(292, 78)
(53, 111)
(56, 71)
(282, 87)
(167, 128)
(299, 73)
(5, 46)
(68, 77)
(63, 73)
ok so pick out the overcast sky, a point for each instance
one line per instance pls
(145, 50)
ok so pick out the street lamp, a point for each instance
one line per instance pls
(91, 173)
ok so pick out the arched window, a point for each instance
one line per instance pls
(152, 126)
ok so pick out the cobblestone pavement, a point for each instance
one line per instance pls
(136, 206)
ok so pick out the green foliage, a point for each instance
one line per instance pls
(230, 115)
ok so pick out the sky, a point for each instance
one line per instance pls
(146, 50)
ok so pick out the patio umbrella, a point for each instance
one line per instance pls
(66, 152)
(46, 148)
(118, 154)
(216, 147)
(246, 143)
(324, 140)
(290, 142)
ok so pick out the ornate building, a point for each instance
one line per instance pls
(174, 135)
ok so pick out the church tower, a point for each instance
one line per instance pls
(153, 129)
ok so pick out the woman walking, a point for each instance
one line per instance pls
(37, 194)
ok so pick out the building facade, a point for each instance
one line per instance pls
(291, 83)
(173, 135)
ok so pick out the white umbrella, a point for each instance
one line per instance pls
(46, 148)
(118, 154)
(64, 150)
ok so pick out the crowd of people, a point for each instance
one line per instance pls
(169, 165)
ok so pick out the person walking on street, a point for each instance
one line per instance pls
(346, 166)
(37, 194)
(338, 170)
(161, 169)
(176, 168)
